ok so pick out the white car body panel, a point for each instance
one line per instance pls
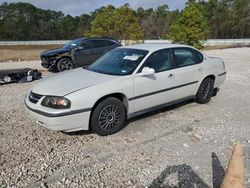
(141, 92)
(53, 85)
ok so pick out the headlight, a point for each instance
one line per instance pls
(56, 102)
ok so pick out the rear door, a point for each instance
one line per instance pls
(187, 70)
(102, 46)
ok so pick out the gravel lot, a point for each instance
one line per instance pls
(23, 53)
(178, 146)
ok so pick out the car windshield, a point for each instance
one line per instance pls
(120, 61)
(72, 44)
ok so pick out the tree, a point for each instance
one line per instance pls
(241, 15)
(84, 24)
(225, 18)
(120, 23)
(23, 21)
(155, 23)
(191, 27)
(220, 18)
(142, 13)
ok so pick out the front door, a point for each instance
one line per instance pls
(154, 90)
(83, 54)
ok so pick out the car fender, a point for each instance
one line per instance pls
(87, 97)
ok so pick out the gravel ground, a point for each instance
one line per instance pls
(22, 64)
(178, 146)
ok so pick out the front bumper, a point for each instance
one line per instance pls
(66, 121)
(48, 62)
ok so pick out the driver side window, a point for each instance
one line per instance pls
(87, 44)
(159, 61)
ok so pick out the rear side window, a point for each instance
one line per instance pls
(186, 57)
(110, 43)
(99, 43)
(199, 56)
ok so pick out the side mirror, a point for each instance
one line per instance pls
(146, 71)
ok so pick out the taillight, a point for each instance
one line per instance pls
(224, 67)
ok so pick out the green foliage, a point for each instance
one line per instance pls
(228, 18)
(220, 17)
(120, 23)
(241, 14)
(23, 21)
(225, 19)
(191, 27)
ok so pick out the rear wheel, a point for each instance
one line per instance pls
(108, 117)
(205, 91)
(64, 64)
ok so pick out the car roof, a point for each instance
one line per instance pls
(102, 38)
(80, 38)
(154, 46)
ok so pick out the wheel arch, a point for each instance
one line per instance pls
(64, 56)
(210, 76)
(122, 97)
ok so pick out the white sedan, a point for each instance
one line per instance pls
(126, 82)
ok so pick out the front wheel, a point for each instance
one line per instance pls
(205, 91)
(64, 64)
(108, 117)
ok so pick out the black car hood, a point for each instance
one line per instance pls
(54, 52)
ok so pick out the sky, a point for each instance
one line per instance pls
(78, 7)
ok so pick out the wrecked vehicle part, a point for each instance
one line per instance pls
(19, 75)
(77, 53)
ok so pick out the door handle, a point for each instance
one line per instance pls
(200, 69)
(171, 75)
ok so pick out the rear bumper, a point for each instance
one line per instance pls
(220, 79)
(67, 123)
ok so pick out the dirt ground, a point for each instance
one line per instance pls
(23, 53)
(186, 145)
(29, 53)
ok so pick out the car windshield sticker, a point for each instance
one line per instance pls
(133, 57)
(124, 71)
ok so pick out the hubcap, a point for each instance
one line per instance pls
(109, 117)
(205, 91)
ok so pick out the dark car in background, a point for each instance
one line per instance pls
(77, 53)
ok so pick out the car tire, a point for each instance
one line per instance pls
(205, 91)
(108, 117)
(64, 64)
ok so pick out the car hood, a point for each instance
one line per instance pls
(67, 82)
(54, 52)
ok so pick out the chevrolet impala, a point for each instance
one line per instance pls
(124, 83)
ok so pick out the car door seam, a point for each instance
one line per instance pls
(161, 91)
